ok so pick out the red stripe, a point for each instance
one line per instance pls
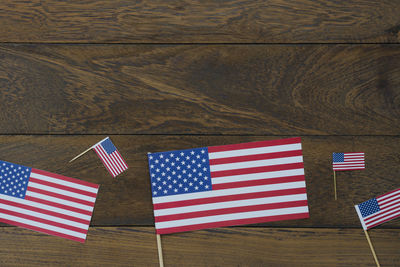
(118, 161)
(388, 193)
(259, 182)
(281, 167)
(48, 212)
(346, 169)
(42, 230)
(41, 220)
(126, 165)
(205, 213)
(63, 187)
(190, 202)
(65, 178)
(376, 224)
(256, 157)
(114, 162)
(287, 141)
(105, 163)
(57, 205)
(232, 222)
(64, 197)
(393, 199)
(382, 215)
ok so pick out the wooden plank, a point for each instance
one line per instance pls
(277, 21)
(126, 200)
(136, 246)
(196, 89)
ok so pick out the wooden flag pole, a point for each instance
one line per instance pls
(159, 247)
(372, 249)
(81, 154)
(334, 182)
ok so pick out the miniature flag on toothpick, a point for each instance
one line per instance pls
(228, 185)
(346, 162)
(46, 202)
(378, 210)
(109, 155)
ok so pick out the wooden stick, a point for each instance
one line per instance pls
(334, 182)
(81, 154)
(159, 247)
(372, 249)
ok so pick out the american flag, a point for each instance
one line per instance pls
(378, 210)
(348, 161)
(46, 202)
(110, 157)
(228, 185)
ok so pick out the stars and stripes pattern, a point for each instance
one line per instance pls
(348, 161)
(228, 185)
(46, 202)
(110, 157)
(376, 211)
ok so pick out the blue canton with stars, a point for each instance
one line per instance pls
(338, 157)
(179, 172)
(108, 146)
(369, 207)
(14, 179)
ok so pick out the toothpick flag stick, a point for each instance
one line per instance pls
(81, 154)
(372, 249)
(159, 247)
(334, 182)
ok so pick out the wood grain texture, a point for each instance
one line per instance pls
(196, 89)
(277, 21)
(126, 200)
(136, 246)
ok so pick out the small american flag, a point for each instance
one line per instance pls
(228, 185)
(380, 209)
(348, 161)
(110, 157)
(46, 202)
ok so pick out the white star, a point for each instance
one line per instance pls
(154, 192)
(151, 166)
(163, 174)
(179, 176)
(169, 186)
(198, 165)
(186, 189)
(154, 184)
(196, 187)
(205, 178)
(202, 151)
(190, 184)
(198, 156)
(192, 152)
(173, 173)
(185, 180)
(180, 185)
(171, 155)
(162, 165)
(166, 160)
(182, 154)
(159, 187)
(175, 190)
(156, 161)
(164, 182)
(161, 156)
(177, 159)
(194, 170)
(206, 186)
(195, 179)
(157, 170)
(150, 157)
(205, 169)
(201, 182)
(169, 177)
(187, 157)
(203, 160)
(174, 181)
(178, 168)
(189, 175)
(188, 166)
(183, 163)
(172, 163)
(200, 174)
(165, 191)
(152, 175)
(184, 171)
(158, 179)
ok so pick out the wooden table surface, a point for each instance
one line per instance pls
(165, 75)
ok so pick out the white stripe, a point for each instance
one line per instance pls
(354, 154)
(62, 192)
(231, 191)
(45, 207)
(257, 176)
(114, 163)
(60, 201)
(43, 225)
(387, 203)
(383, 199)
(120, 160)
(360, 217)
(253, 151)
(349, 165)
(256, 163)
(44, 216)
(117, 161)
(233, 216)
(105, 161)
(62, 182)
(384, 218)
(230, 204)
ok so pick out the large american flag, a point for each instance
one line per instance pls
(46, 202)
(228, 185)
(348, 161)
(110, 157)
(378, 210)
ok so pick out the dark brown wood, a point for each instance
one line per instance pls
(195, 89)
(126, 200)
(277, 21)
(136, 246)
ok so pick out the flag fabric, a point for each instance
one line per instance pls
(378, 210)
(348, 161)
(110, 157)
(46, 202)
(228, 185)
